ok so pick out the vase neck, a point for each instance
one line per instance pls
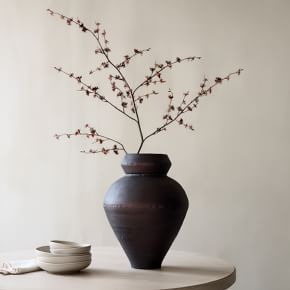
(146, 164)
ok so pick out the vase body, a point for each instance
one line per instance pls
(146, 209)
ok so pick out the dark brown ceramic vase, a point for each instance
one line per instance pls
(146, 209)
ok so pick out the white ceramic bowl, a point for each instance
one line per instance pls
(63, 268)
(70, 251)
(64, 259)
(57, 244)
(45, 252)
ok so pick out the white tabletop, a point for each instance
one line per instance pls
(110, 270)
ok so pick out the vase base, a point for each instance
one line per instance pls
(147, 267)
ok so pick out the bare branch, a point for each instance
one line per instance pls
(192, 104)
(127, 95)
(158, 68)
(127, 58)
(90, 90)
(92, 133)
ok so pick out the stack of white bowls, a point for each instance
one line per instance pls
(63, 257)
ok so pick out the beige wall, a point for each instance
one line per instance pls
(234, 167)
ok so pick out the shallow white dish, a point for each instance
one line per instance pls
(58, 244)
(64, 268)
(45, 251)
(56, 259)
(70, 251)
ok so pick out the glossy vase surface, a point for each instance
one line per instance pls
(146, 209)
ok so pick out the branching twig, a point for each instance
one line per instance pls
(105, 151)
(92, 133)
(89, 90)
(192, 104)
(158, 68)
(140, 99)
(127, 94)
(127, 58)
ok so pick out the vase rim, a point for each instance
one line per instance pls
(146, 163)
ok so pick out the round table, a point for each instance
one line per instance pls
(110, 270)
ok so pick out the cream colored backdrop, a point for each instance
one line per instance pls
(234, 167)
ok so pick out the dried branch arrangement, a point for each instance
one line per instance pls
(128, 98)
